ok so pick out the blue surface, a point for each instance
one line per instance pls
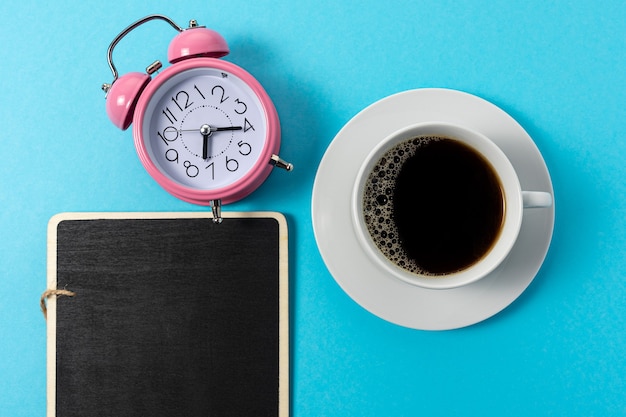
(559, 68)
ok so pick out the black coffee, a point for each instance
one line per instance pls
(433, 205)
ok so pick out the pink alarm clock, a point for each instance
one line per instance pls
(204, 128)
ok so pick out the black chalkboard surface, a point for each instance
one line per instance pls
(173, 315)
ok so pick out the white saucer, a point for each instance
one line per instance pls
(390, 298)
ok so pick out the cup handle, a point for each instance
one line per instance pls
(536, 199)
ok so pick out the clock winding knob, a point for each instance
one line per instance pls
(281, 163)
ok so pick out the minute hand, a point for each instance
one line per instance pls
(213, 129)
(219, 129)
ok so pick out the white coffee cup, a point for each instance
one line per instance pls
(515, 201)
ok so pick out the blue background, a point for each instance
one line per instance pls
(558, 67)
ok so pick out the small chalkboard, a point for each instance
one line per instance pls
(172, 315)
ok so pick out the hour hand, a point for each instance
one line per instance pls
(205, 146)
(206, 131)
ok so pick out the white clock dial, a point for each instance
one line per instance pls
(204, 128)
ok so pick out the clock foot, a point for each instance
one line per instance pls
(280, 163)
(216, 208)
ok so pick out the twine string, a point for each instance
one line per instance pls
(49, 293)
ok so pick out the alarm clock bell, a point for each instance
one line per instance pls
(123, 92)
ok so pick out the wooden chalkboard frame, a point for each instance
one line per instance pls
(283, 372)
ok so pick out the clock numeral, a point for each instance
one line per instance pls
(170, 116)
(170, 134)
(171, 155)
(178, 101)
(223, 96)
(232, 165)
(243, 106)
(247, 125)
(191, 170)
(244, 148)
(199, 92)
(212, 166)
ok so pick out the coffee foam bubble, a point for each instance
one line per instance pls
(378, 201)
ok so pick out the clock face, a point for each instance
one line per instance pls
(204, 128)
